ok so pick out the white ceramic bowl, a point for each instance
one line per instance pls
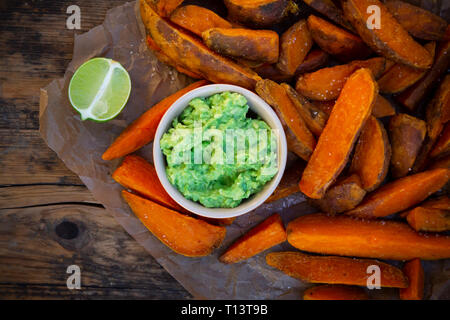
(258, 106)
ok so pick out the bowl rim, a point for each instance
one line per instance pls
(254, 102)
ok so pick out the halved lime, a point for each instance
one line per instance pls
(99, 89)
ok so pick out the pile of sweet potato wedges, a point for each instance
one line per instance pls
(365, 109)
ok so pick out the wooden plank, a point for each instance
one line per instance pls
(34, 257)
(38, 195)
(26, 159)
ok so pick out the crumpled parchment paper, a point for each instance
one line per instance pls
(81, 144)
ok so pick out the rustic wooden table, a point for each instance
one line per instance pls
(48, 218)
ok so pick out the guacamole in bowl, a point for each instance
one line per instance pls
(218, 153)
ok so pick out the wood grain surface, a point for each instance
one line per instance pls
(48, 219)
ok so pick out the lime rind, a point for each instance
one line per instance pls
(99, 89)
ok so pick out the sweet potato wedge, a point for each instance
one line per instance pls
(197, 19)
(334, 270)
(257, 45)
(183, 234)
(265, 235)
(428, 219)
(419, 23)
(438, 110)
(348, 117)
(400, 77)
(164, 7)
(411, 97)
(342, 196)
(294, 46)
(314, 60)
(414, 271)
(271, 71)
(406, 134)
(191, 54)
(327, 83)
(372, 155)
(143, 129)
(137, 174)
(348, 236)
(300, 140)
(437, 114)
(314, 118)
(401, 194)
(335, 292)
(336, 41)
(331, 11)
(260, 13)
(441, 107)
(382, 108)
(442, 146)
(289, 183)
(390, 39)
(169, 61)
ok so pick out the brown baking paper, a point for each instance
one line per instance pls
(80, 145)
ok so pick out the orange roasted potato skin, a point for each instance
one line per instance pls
(262, 13)
(256, 45)
(198, 19)
(295, 44)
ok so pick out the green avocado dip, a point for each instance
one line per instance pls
(216, 154)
